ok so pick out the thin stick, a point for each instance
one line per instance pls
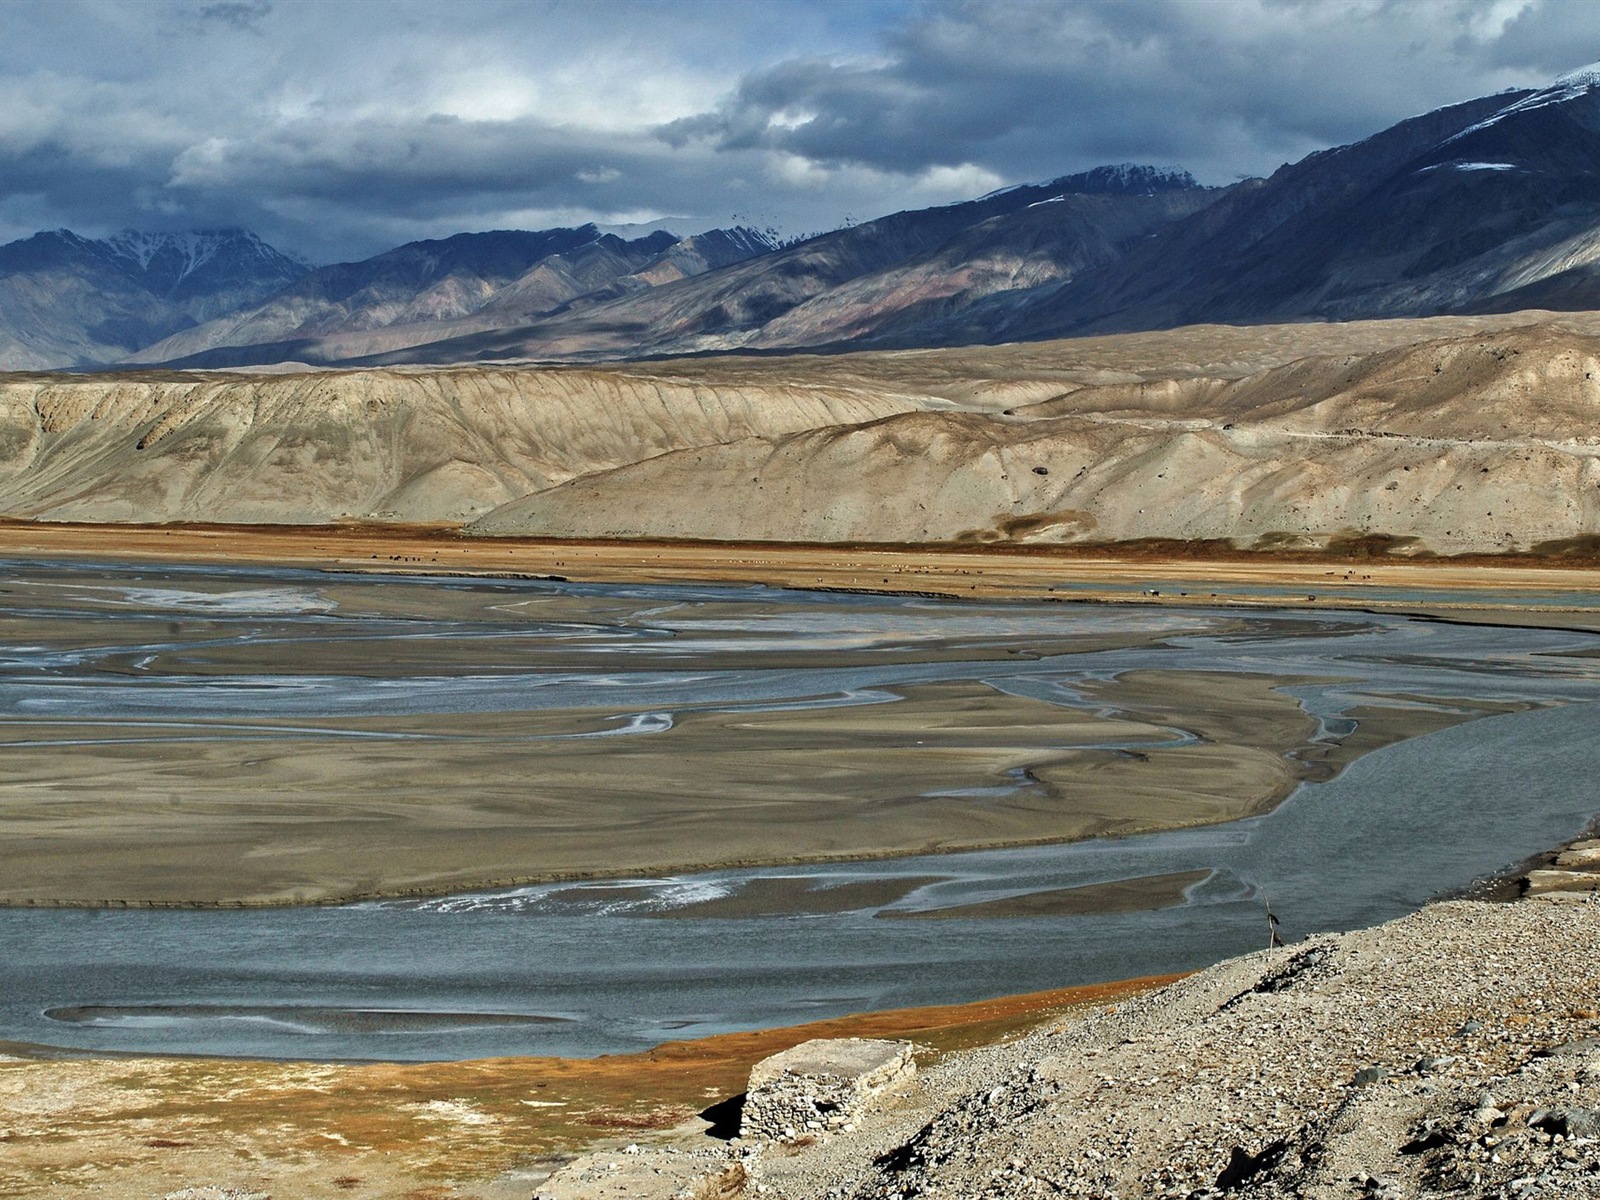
(1273, 940)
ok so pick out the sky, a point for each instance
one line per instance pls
(339, 128)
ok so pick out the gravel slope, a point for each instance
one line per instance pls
(1452, 1053)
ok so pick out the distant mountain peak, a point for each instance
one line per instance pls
(1585, 77)
(1126, 179)
(174, 257)
(1113, 179)
(1573, 85)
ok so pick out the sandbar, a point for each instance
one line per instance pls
(1142, 894)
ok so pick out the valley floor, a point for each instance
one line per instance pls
(1474, 1026)
(1165, 573)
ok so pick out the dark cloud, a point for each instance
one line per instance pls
(237, 14)
(1226, 87)
(340, 129)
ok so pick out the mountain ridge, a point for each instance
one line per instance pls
(1488, 205)
(72, 301)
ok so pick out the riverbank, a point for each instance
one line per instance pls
(1452, 1052)
(135, 1127)
(1158, 572)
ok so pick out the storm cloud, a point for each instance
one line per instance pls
(341, 129)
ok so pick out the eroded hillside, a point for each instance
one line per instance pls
(1446, 435)
(1478, 443)
(313, 448)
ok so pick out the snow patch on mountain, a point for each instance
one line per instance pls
(1583, 77)
(1568, 87)
(164, 260)
(1471, 166)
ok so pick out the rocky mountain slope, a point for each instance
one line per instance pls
(69, 301)
(1491, 205)
(1452, 1053)
(427, 291)
(845, 283)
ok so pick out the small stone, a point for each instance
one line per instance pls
(1568, 1122)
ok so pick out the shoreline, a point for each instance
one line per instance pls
(141, 1118)
(1095, 572)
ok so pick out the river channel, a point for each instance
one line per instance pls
(185, 659)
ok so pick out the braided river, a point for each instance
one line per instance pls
(108, 668)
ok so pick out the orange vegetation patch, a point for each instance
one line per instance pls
(143, 1127)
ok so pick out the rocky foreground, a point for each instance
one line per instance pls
(1452, 1053)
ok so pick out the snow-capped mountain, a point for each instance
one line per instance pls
(1493, 204)
(69, 301)
(1490, 204)
(206, 272)
(1572, 86)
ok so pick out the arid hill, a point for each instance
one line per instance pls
(314, 448)
(1444, 435)
(1480, 443)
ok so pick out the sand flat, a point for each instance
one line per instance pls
(274, 817)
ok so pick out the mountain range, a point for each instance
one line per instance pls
(1491, 205)
(69, 301)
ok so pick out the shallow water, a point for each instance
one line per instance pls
(172, 655)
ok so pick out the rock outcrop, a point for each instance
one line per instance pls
(821, 1085)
